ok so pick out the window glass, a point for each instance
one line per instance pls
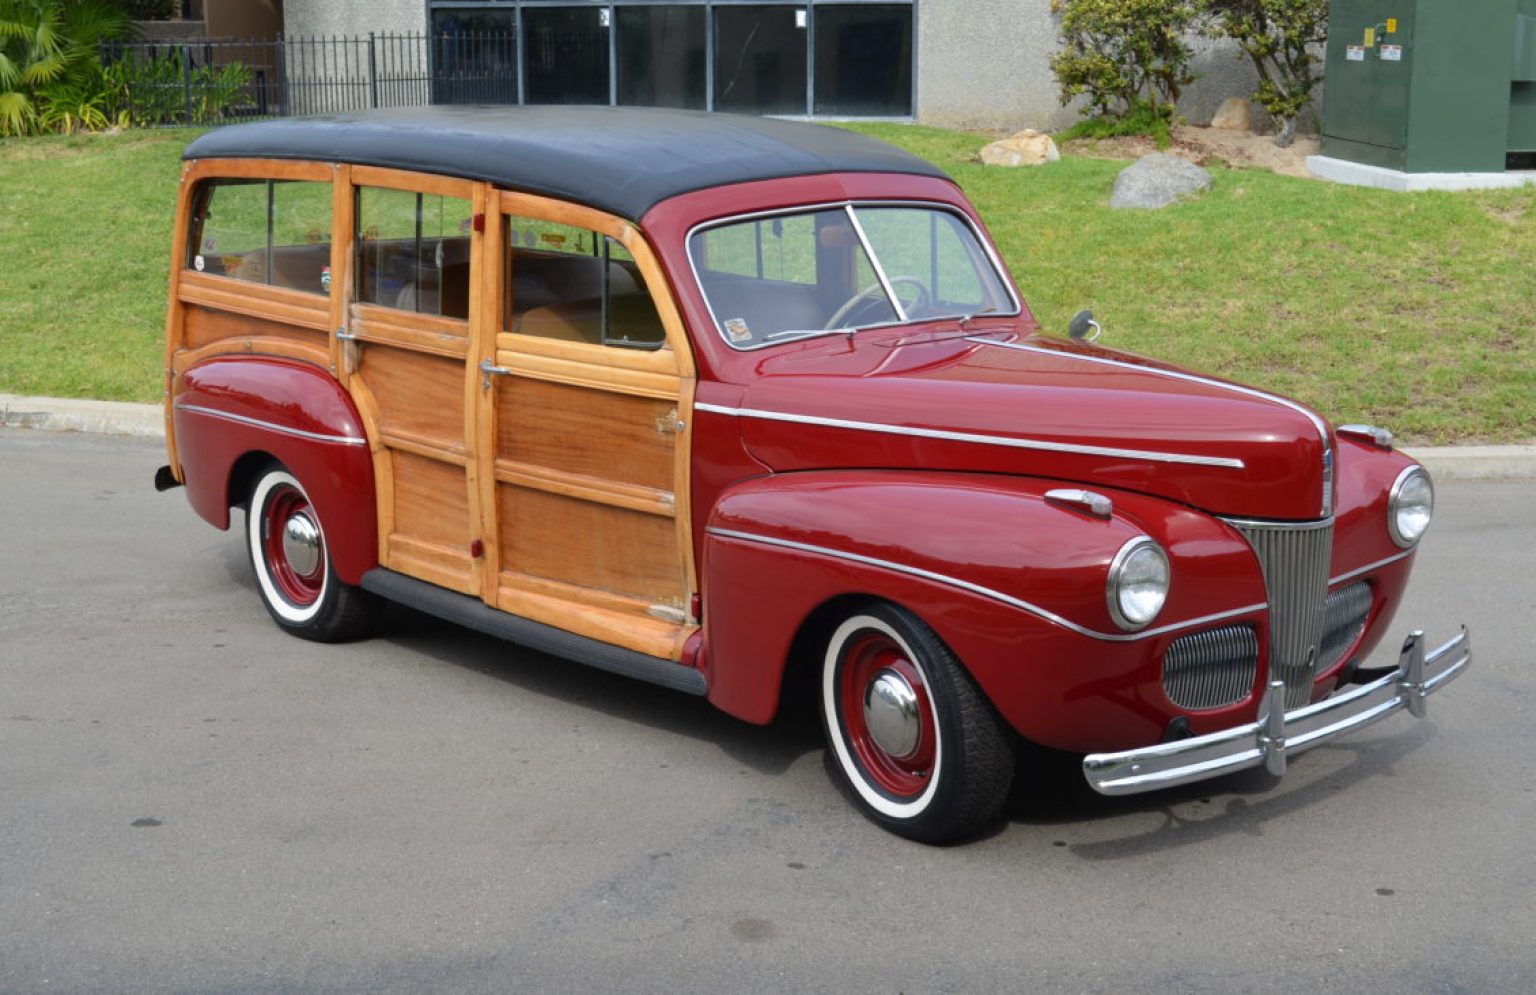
(864, 60)
(275, 232)
(567, 54)
(576, 285)
(661, 53)
(760, 59)
(774, 279)
(413, 251)
(474, 57)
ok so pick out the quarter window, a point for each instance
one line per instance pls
(274, 232)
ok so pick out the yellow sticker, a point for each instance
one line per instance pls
(1370, 37)
(1391, 25)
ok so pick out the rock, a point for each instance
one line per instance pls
(1158, 180)
(1027, 148)
(1234, 114)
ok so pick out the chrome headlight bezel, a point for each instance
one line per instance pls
(1396, 503)
(1128, 563)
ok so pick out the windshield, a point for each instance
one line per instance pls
(788, 276)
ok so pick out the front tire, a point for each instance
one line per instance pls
(292, 564)
(918, 746)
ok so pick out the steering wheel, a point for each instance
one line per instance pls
(869, 296)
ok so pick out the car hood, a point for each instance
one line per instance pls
(1003, 402)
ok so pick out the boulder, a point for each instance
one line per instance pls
(1158, 180)
(1234, 114)
(1027, 148)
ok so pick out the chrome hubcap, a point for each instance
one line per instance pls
(301, 544)
(890, 714)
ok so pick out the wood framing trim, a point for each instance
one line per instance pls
(174, 311)
(619, 380)
(255, 345)
(427, 183)
(425, 445)
(607, 617)
(578, 485)
(447, 337)
(224, 293)
(260, 169)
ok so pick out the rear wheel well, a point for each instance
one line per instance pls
(242, 477)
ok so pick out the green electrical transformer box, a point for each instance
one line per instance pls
(1431, 86)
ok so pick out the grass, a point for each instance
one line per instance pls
(1411, 311)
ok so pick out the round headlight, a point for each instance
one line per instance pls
(1410, 506)
(1138, 583)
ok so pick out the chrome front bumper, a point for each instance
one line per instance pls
(1278, 735)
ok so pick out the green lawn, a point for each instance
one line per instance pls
(1408, 311)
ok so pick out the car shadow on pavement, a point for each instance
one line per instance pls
(1050, 791)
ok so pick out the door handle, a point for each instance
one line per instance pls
(489, 369)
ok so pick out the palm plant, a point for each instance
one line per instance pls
(49, 50)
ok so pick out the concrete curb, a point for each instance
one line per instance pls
(148, 421)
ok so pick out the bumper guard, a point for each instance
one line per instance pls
(1278, 735)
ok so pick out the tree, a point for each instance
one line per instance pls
(49, 54)
(1279, 36)
(1125, 56)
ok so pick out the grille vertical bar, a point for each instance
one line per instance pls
(1295, 558)
(1344, 617)
(1212, 668)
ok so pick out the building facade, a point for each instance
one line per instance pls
(952, 63)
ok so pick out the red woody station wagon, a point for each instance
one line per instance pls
(751, 409)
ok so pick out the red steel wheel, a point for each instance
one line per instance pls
(915, 741)
(286, 542)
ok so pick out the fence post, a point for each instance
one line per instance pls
(282, 75)
(186, 85)
(373, 72)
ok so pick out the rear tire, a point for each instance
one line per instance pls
(918, 746)
(292, 564)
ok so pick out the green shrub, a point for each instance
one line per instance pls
(1279, 37)
(1127, 57)
(50, 73)
(1142, 119)
(152, 92)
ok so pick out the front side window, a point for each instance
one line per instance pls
(273, 232)
(576, 285)
(413, 251)
(783, 277)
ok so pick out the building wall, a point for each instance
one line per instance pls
(986, 64)
(243, 18)
(353, 17)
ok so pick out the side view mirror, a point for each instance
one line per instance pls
(1084, 328)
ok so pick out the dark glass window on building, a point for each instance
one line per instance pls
(566, 52)
(760, 59)
(474, 57)
(662, 51)
(864, 60)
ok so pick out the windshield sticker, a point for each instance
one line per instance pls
(737, 331)
(198, 263)
(1355, 53)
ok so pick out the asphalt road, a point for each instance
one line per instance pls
(191, 800)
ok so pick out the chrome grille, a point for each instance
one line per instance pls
(1294, 557)
(1212, 668)
(1343, 618)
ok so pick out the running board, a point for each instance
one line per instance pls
(474, 614)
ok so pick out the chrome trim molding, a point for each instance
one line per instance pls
(1311, 416)
(986, 592)
(1351, 575)
(1089, 502)
(1277, 735)
(874, 260)
(345, 440)
(1380, 437)
(986, 440)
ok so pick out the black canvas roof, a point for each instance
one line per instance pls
(623, 160)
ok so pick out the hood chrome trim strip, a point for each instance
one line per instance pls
(345, 440)
(986, 440)
(986, 592)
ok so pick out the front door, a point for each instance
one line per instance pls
(585, 387)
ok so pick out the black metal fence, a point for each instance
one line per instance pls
(204, 81)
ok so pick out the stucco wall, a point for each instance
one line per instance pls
(986, 64)
(353, 17)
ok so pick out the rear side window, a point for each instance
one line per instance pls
(413, 251)
(274, 232)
